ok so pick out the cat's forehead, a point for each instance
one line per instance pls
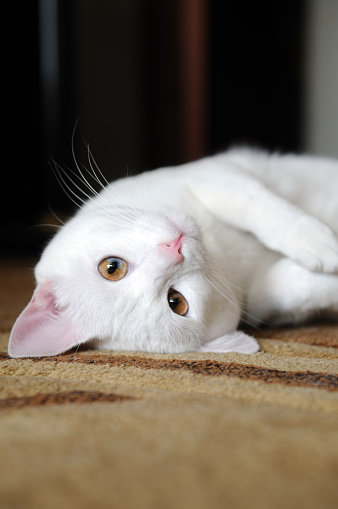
(94, 234)
(124, 217)
(130, 226)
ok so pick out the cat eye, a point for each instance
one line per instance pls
(113, 268)
(177, 302)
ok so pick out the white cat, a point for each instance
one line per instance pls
(172, 260)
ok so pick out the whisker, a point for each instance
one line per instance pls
(106, 184)
(244, 311)
(220, 290)
(105, 208)
(43, 225)
(55, 215)
(66, 189)
(91, 159)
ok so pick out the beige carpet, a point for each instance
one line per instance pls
(134, 430)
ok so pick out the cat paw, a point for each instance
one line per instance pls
(316, 247)
(235, 342)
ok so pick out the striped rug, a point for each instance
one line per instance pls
(136, 430)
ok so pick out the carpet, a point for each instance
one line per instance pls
(135, 430)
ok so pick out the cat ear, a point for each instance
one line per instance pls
(235, 342)
(42, 328)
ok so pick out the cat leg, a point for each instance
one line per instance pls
(287, 293)
(245, 203)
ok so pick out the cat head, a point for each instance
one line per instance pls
(130, 280)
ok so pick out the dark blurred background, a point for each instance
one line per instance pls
(150, 83)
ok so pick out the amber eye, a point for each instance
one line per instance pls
(177, 302)
(113, 268)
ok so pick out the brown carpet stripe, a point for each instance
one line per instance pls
(310, 379)
(61, 398)
(308, 336)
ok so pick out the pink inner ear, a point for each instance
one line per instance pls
(42, 328)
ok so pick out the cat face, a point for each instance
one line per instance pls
(133, 311)
(131, 281)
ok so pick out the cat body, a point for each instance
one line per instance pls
(174, 259)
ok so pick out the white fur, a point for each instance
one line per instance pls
(259, 244)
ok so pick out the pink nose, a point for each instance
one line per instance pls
(174, 248)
